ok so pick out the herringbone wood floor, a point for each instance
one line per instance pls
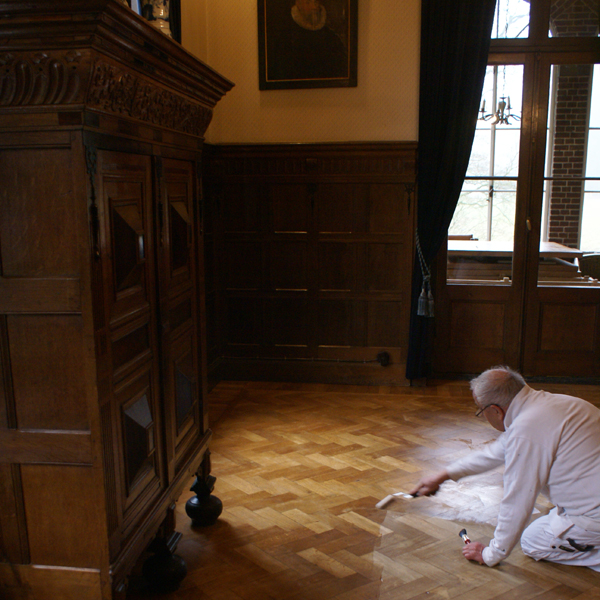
(299, 470)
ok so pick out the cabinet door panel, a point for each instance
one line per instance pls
(127, 232)
(178, 234)
(179, 311)
(139, 445)
(185, 387)
(138, 439)
(132, 365)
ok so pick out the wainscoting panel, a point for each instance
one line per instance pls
(568, 335)
(312, 250)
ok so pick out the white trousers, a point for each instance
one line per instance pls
(543, 538)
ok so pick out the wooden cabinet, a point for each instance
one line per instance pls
(102, 320)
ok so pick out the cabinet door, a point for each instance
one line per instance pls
(179, 311)
(128, 357)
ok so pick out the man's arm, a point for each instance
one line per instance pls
(490, 457)
(527, 468)
(487, 458)
(430, 484)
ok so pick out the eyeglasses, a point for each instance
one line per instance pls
(482, 410)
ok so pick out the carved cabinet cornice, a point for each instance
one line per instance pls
(101, 56)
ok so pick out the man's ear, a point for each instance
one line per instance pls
(500, 412)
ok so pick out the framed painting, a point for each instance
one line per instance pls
(307, 43)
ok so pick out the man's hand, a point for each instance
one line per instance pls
(430, 484)
(473, 551)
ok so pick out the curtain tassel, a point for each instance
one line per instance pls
(422, 308)
(430, 304)
(425, 306)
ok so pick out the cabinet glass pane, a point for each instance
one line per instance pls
(127, 239)
(179, 219)
(139, 439)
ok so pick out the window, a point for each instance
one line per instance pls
(590, 219)
(481, 234)
(511, 20)
(552, 78)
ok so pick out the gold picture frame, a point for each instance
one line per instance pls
(307, 43)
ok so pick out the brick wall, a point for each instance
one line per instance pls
(574, 18)
(570, 18)
(568, 160)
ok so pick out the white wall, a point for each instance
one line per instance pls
(384, 106)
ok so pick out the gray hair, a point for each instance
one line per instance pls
(498, 385)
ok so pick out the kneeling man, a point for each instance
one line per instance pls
(550, 444)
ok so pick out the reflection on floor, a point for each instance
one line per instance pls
(299, 470)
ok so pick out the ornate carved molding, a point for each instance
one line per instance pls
(121, 92)
(40, 78)
(355, 160)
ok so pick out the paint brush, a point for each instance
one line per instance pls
(383, 503)
(464, 536)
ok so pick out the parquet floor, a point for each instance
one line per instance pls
(299, 470)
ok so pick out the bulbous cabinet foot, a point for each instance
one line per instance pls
(204, 509)
(164, 571)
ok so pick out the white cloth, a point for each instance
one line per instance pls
(551, 443)
(547, 538)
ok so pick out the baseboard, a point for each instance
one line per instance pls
(342, 373)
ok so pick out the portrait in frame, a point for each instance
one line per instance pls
(307, 43)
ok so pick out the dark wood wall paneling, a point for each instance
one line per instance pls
(311, 250)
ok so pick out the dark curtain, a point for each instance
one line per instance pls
(455, 41)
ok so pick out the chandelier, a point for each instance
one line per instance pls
(502, 115)
(503, 111)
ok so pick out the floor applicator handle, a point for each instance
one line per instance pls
(464, 536)
(383, 503)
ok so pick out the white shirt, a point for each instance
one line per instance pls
(551, 441)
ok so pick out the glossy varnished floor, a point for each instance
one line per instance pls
(299, 470)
